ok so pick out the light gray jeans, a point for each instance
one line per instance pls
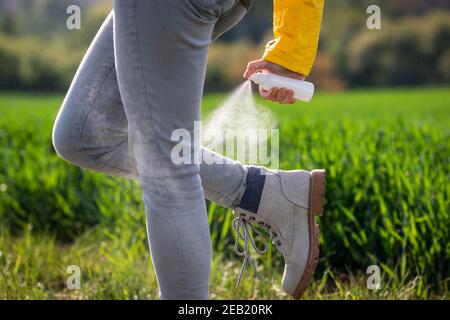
(141, 79)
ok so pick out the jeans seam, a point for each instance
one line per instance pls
(116, 168)
(232, 203)
(139, 67)
(91, 107)
(240, 192)
(80, 136)
(220, 195)
(110, 166)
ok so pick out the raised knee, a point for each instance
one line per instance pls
(62, 143)
(65, 138)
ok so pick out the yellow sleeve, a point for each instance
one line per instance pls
(296, 28)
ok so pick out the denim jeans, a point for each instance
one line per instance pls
(141, 79)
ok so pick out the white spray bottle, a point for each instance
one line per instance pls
(303, 90)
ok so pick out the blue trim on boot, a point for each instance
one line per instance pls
(253, 191)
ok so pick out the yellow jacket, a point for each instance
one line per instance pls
(296, 28)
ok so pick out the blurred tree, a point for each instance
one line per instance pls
(9, 67)
(408, 54)
(444, 66)
(9, 24)
(401, 53)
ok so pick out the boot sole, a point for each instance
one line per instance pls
(316, 206)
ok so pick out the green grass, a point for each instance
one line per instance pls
(387, 156)
(118, 266)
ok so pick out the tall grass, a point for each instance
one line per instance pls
(117, 265)
(387, 157)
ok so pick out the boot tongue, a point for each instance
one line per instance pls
(253, 191)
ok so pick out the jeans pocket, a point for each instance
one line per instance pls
(230, 18)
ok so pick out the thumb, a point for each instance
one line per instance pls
(255, 66)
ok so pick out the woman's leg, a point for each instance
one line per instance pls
(161, 50)
(91, 129)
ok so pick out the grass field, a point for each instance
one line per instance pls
(387, 155)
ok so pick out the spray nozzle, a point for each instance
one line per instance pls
(258, 77)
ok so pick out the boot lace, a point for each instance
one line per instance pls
(244, 228)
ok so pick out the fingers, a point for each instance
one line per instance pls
(285, 96)
(269, 94)
(290, 98)
(256, 66)
(263, 65)
(280, 95)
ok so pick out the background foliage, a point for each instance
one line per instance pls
(412, 48)
(386, 152)
(388, 196)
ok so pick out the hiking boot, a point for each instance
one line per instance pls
(286, 207)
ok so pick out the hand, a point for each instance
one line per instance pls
(280, 95)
